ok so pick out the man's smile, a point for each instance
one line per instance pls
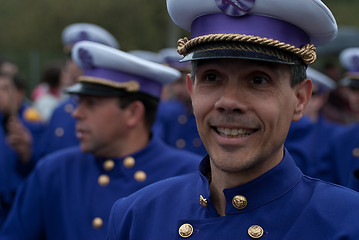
(234, 132)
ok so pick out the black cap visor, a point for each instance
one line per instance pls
(237, 54)
(94, 89)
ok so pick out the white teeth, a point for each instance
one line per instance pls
(228, 132)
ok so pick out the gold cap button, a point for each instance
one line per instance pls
(182, 119)
(69, 108)
(129, 162)
(255, 232)
(140, 176)
(239, 202)
(108, 165)
(103, 180)
(59, 132)
(180, 143)
(356, 152)
(203, 201)
(185, 230)
(97, 222)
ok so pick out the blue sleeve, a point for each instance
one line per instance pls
(119, 224)
(25, 220)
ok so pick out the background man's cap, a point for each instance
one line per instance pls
(86, 32)
(148, 55)
(251, 28)
(322, 83)
(349, 59)
(172, 58)
(109, 71)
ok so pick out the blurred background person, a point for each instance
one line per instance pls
(47, 101)
(20, 130)
(60, 131)
(8, 67)
(70, 193)
(322, 86)
(175, 122)
(307, 139)
(349, 84)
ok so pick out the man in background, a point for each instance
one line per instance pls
(70, 192)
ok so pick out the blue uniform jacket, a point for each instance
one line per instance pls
(282, 204)
(308, 144)
(60, 131)
(12, 172)
(344, 156)
(69, 194)
(176, 125)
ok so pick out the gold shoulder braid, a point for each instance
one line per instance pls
(306, 53)
(130, 86)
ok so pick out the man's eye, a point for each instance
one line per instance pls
(90, 102)
(259, 80)
(211, 77)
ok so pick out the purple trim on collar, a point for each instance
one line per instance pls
(256, 25)
(146, 85)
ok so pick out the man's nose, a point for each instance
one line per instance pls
(233, 99)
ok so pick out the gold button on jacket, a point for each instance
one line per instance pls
(239, 202)
(103, 180)
(97, 223)
(129, 162)
(203, 201)
(140, 176)
(59, 132)
(185, 230)
(255, 232)
(108, 165)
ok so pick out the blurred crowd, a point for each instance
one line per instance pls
(324, 143)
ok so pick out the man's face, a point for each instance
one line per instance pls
(317, 101)
(180, 91)
(100, 125)
(8, 96)
(243, 111)
(352, 95)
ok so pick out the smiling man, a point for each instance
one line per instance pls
(70, 193)
(248, 83)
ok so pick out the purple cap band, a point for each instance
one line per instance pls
(146, 85)
(256, 25)
(355, 63)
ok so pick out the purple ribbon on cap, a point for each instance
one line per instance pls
(86, 58)
(256, 25)
(146, 85)
(235, 7)
(355, 63)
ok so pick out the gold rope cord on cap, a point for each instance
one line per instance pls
(307, 53)
(130, 86)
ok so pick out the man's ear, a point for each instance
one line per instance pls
(189, 84)
(303, 94)
(135, 113)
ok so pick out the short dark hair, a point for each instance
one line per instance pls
(150, 103)
(299, 73)
(51, 74)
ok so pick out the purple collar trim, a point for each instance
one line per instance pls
(256, 25)
(146, 85)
